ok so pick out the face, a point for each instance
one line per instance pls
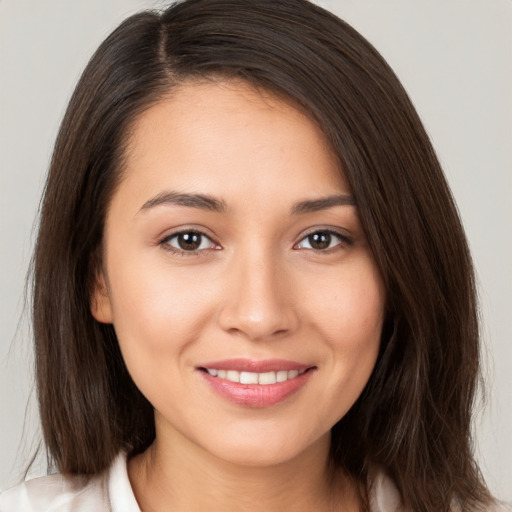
(237, 275)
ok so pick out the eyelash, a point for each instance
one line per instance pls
(344, 240)
(164, 242)
(182, 252)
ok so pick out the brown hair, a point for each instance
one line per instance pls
(413, 419)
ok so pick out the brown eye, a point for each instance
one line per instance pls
(189, 241)
(322, 240)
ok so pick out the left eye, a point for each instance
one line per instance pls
(189, 241)
(321, 240)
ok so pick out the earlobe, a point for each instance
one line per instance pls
(101, 307)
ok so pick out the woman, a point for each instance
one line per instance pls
(261, 293)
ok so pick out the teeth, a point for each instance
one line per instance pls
(254, 378)
(267, 378)
(248, 378)
(233, 376)
(281, 376)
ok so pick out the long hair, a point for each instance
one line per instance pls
(413, 419)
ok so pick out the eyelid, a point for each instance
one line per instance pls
(345, 240)
(163, 241)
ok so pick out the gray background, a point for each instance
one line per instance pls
(455, 60)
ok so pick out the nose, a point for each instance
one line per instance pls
(259, 302)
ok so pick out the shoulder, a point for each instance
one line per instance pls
(109, 491)
(56, 493)
(384, 497)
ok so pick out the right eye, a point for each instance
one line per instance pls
(188, 241)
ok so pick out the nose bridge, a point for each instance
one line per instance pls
(259, 304)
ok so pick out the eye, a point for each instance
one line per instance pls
(188, 241)
(323, 240)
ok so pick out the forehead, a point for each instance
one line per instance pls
(218, 134)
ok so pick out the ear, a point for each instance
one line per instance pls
(101, 307)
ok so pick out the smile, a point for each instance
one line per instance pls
(264, 378)
(256, 384)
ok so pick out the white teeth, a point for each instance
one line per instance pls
(267, 378)
(255, 378)
(281, 376)
(248, 378)
(233, 376)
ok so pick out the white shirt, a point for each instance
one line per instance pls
(111, 491)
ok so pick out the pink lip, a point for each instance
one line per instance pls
(256, 395)
(249, 365)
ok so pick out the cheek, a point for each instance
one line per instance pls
(158, 310)
(349, 315)
(349, 306)
(361, 312)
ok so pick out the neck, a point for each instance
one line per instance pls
(175, 474)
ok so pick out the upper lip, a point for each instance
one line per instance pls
(250, 365)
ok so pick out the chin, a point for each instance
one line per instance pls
(266, 450)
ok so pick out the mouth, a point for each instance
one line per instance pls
(256, 383)
(263, 379)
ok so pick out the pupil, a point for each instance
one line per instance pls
(320, 240)
(189, 241)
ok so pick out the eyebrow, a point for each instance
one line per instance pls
(210, 203)
(201, 201)
(316, 205)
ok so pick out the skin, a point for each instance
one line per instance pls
(256, 288)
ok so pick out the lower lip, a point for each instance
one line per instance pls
(256, 395)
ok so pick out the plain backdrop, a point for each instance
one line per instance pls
(454, 58)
